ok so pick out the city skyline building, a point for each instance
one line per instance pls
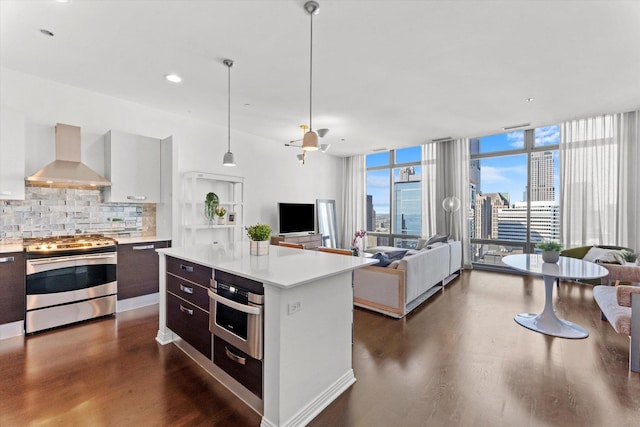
(542, 188)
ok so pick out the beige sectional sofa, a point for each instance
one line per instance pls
(402, 286)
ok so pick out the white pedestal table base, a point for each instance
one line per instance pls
(547, 322)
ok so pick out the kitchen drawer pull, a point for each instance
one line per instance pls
(234, 305)
(235, 357)
(7, 259)
(186, 310)
(5, 193)
(186, 289)
(187, 268)
(142, 248)
(136, 197)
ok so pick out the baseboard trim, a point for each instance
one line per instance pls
(137, 302)
(10, 330)
(317, 405)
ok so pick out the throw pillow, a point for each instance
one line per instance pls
(396, 255)
(383, 259)
(437, 238)
(421, 244)
(597, 254)
(386, 258)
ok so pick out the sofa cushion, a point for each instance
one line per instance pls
(436, 239)
(386, 258)
(596, 254)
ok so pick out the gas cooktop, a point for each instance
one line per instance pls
(66, 243)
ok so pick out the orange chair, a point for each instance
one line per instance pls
(336, 251)
(291, 245)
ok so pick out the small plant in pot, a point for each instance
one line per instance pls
(550, 251)
(210, 206)
(259, 235)
(221, 212)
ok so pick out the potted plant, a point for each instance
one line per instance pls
(630, 258)
(221, 212)
(550, 250)
(259, 235)
(210, 206)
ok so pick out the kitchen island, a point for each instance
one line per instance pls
(308, 324)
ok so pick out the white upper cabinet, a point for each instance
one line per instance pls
(132, 164)
(12, 160)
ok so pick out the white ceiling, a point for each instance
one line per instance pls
(386, 73)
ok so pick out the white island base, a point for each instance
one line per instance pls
(307, 359)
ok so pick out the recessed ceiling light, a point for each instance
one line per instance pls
(62, 1)
(173, 78)
(46, 32)
(529, 100)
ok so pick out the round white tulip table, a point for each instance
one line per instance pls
(566, 268)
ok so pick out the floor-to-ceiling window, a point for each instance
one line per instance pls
(514, 187)
(394, 199)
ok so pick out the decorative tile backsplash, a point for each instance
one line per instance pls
(61, 211)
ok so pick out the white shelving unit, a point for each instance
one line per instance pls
(195, 225)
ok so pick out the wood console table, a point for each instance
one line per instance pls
(309, 241)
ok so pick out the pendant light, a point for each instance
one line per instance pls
(310, 140)
(228, 159)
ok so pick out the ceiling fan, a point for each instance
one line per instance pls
(298, 142)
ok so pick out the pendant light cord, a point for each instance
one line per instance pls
(311, 75)
(229, 112)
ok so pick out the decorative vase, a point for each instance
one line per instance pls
(259, 247)
(550, 256)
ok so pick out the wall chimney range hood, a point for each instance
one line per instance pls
(67, 170)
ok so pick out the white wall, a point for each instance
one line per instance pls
(272, 171)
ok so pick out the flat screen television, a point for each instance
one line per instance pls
(296, 217)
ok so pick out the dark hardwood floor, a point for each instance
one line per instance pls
(458, 360)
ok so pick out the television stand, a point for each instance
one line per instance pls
(309, 241)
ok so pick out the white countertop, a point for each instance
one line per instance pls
(283, 267)
(565, 268)
(11, 245)
(143, 239)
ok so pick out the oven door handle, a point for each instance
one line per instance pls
(235, 305)
(69, 258)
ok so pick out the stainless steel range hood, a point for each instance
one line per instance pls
(67, 170)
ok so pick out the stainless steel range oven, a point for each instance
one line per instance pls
(69, 279)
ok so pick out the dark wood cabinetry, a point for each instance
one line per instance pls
(12, 287)
(138, 268)
(188, 303)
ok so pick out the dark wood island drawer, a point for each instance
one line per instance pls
(189, 270)
(190, 323)
(246, 370)
(189, 291)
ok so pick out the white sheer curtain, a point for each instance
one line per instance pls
(354, 193)
(429, 198)
(600, 181)
(445, 173)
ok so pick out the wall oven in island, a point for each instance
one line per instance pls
(236, 322)
(69, 279)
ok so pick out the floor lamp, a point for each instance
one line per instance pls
(450, 204)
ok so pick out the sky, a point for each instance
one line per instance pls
(505, 174)
(508, 174)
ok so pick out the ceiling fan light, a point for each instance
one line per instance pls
(310, 141)
(228, 159)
